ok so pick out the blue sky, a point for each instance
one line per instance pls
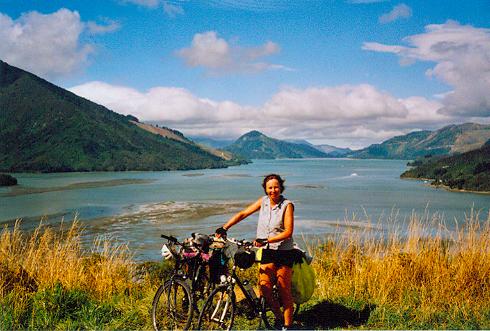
(347, 73)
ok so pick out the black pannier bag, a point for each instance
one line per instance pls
(244, 259)
(217, 265)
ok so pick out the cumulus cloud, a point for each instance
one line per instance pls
(167, 104)
(398, 12)
(354, 114)
(461, 54)
(47, 45)
(215, 54)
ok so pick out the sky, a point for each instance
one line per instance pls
(347, 73)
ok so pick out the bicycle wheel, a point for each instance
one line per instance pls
(172, 306)
(218, 311)
(268, 317)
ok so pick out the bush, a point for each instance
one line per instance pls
(7, 180)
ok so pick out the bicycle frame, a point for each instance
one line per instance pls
(234, 279)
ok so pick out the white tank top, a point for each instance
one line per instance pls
(271, 222)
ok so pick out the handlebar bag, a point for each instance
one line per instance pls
(244, 259)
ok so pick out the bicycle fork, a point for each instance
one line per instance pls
(216, 311)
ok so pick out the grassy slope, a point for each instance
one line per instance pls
(422, 281)
(46, 128)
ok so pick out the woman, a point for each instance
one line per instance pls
(275, 234)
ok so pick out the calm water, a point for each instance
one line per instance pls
(135, 207)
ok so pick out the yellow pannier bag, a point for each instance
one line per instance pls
(303, 282)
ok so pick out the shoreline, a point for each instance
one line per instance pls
(445, 187)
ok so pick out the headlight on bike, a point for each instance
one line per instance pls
(166, 252)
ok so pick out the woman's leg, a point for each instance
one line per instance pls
(267, 277)
(284, 276)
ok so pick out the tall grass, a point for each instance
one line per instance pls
(47, 280)
(419, 280)
(414, 278)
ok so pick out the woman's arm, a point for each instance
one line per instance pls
(243, 214)
(288, 225)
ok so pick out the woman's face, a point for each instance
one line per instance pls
(273, 189)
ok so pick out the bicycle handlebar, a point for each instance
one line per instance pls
(170, 238)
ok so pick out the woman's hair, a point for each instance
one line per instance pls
(273, 176)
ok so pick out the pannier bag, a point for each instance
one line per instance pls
(244, 259)
(217, 265)
(303, 281)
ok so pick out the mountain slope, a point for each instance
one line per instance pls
(468, 171)
(448, 140)
(46, 128)
(255, 145)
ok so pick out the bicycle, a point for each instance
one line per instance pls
(176, 299)
(218, 311)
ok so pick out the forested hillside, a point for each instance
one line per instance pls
(445, 141)
(48, 129)
(255, 145)
(466, 171)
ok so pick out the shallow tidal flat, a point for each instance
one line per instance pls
(24, 190)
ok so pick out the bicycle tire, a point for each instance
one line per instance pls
(218, 312)
(269, 319)
(172, 306)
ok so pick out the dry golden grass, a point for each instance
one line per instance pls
(445, 271)
(416, 278)
(47, 257)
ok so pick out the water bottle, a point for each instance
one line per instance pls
(248, 287)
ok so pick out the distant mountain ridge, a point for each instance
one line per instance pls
(445, 141)
(46, 128)
(256, 145)
(333, 151)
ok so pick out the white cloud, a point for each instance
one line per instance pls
(207, 50)
(215, 54)
(108, 26)
(172, 10)
(462, 57)
(168, 104)
(144, 3)
(399, 11)
(357, 115)
(47, 45)
(361, 102)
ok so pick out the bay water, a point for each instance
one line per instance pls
(136, 207)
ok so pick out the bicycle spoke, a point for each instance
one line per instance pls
(172, 307)
(218, 311)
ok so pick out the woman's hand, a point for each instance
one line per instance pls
(221, 232)
(260, 242)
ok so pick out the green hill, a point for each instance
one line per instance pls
(466, 171)
(48, 129)
(255, 145)
(448, 140)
